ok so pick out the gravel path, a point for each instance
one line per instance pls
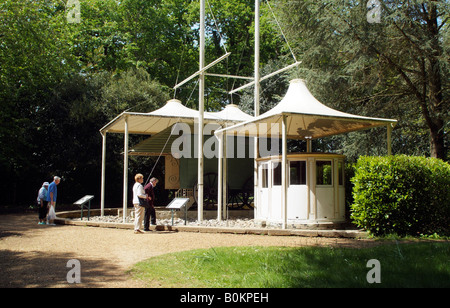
(32, 255)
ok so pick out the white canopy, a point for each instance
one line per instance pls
(299, 115)
(155, 122)
(172, 112)
(231, 113)
(306, 118)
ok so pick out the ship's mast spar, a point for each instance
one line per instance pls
(201, 110)
(202, 73)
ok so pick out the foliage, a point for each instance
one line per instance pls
(402, 195)
(404, 265)
(274, 90)
(230, 27)
(397, 68)
(60, 82)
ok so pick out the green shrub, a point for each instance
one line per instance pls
(348, 176)
(402, 195)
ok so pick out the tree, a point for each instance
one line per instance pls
(161, 35)
(395, 68)
(60, 83)
(33, 59)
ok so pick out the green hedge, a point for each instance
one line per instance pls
(402, 195)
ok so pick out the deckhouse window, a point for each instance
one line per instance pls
(297, 173)
(324, 174)
(276, 174)
(265, 175)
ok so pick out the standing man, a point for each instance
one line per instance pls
(150, 211)
(51, 198)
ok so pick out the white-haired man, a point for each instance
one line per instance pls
(51, 198)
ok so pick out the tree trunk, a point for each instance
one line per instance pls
(435, 97)
(437, 146)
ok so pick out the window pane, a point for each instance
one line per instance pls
(277, 174)
(324, 172)
(265, 173)
(297, 172)
(341, 173)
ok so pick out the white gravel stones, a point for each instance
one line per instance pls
(231, 223)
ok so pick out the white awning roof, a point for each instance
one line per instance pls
(172, 112)
(306, 118)
(174, 108)
(231, 113)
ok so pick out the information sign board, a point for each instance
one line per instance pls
(81, 203)
(84, 200)
(178, 203)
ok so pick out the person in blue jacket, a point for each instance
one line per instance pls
(51, 198)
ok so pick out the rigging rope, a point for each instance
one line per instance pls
(160, 154)
(217, 26)
(179, 69)
(168, 138)
(282, 33)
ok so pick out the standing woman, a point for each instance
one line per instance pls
(43, 203)
(138, 192)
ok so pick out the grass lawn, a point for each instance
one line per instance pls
(423, 264)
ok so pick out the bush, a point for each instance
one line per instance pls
(349, 173)
(402, 195)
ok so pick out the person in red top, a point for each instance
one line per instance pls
(150, 211)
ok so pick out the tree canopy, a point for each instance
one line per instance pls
(61, 81)
(397, 67)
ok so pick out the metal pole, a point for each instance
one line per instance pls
(265, 77)
(89, 210)
(389, 139)
(256, 102)
(125, 171)
(203, 70)
(201, 111)
(102, 198)
(257, 57)
(284, 173)
(220, 179)
(225, 179)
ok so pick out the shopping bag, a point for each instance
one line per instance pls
(51, 213)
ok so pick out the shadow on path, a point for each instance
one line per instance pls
(24, 264)
(41, 270)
